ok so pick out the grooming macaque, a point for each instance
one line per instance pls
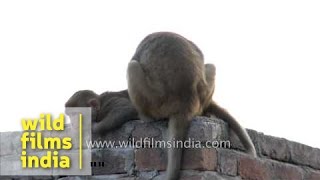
(109, 110)
(167, 78)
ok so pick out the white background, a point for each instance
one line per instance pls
(267, 55)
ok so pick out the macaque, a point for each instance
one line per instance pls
(109, 110)
(167, 78)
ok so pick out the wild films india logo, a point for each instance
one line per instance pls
(50, 146)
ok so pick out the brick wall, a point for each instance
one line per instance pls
(278, 158)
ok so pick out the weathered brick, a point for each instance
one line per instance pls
(142, 175)
(312, 175)
(197, 164)
(284, 171)
(227, 162)
(200, 159)
(11, 165)
(150, 159)
(100, 177)
(156, 159)
(207, 129)
(205, 175)
(156, 130)
(74, 166)
(201, 129)
(10, 143)
(115, 161)
(44, 177)
(73, 178)
(15, 178)
(119, 135)
(252, 168)
(304, 155)
(197, 175)
(256, 138)
(275, 148)
(254, 135)
(113, 177)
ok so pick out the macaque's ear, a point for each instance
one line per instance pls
(94, 102)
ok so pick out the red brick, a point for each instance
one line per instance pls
(150, 159)
(200, 159)
(251, 168)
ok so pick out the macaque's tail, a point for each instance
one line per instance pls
(221, 113)
(178, 127)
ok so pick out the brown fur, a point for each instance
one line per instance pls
(109, 110)
(167, 78)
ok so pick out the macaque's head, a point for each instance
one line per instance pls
(85, 98)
